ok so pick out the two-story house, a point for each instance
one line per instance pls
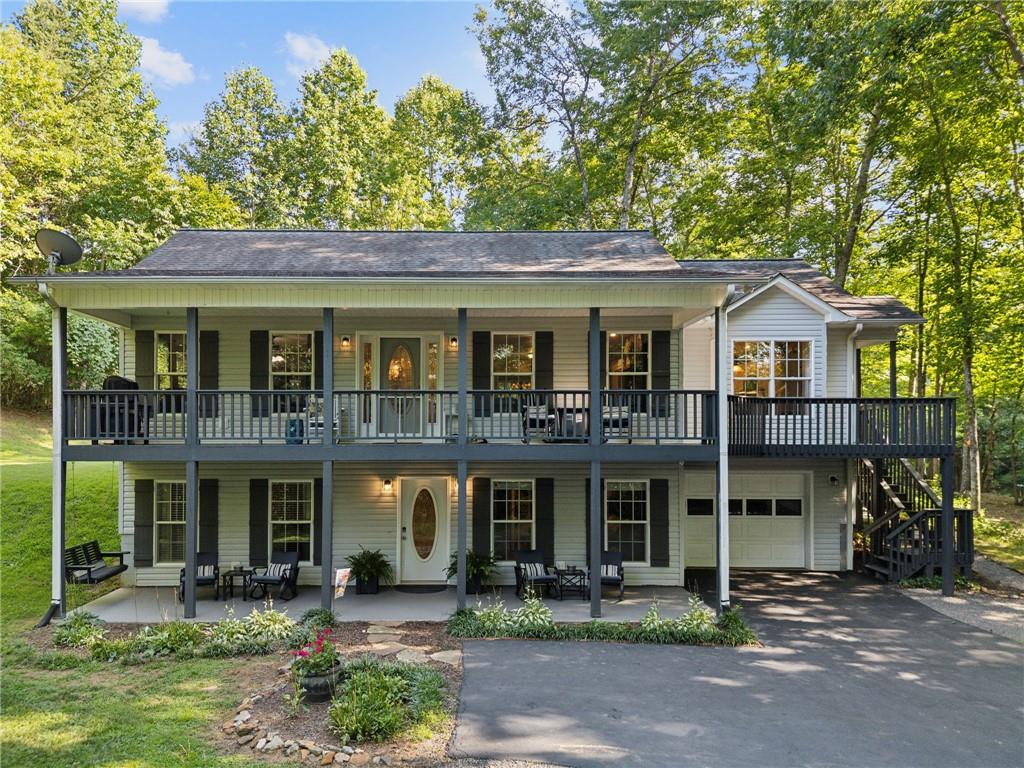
(430, 393)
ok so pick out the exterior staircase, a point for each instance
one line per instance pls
(900, 522)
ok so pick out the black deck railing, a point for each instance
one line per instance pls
(842, 427)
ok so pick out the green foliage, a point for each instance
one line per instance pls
(317, 657)
(80, 629)
(369, 563)
(478, 566)
(318, 618)
(697, 627)
(960, 584)
(268, 625)
(382, 699)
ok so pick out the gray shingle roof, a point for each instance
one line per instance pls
(810, 279)
(297, 253)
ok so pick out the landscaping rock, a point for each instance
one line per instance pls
(412, 656)
(386, 649)
(348, 750)
(275, 743)
(382, 760)
(261, 744)
(303, 754)
(340, 758)
(246, 739)
(291, 749)
(387, 637)
(360, 758)
(327, 758)
(245, 728)
(452, 658)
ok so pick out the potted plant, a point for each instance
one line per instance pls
(316, 667)
(371, 569)
(479, 568)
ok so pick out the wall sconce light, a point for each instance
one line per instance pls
(346, 342)
(387, 486)
(453, 342)
(833, 480)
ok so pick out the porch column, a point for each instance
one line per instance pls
(327, 501)
(59, 341)
(463, 470)
(191, 467)
(594, 420)
(722, 370)
(948, 542)
(892, 369)
(857, 383)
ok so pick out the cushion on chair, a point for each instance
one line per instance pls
(532, 570)
(610, 570)
(278, 570)
(205, 571)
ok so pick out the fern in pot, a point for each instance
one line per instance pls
(371, 569)
(479, 569)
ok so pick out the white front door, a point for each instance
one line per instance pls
(423, 503)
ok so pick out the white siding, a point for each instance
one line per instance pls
(698, 356)
(838, 374)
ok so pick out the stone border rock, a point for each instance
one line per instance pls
(249, 735)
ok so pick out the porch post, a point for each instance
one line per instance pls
(948, 543)
(595, 424)
(59, 341)
(858, 387)
(463, 470)
(722, 370)
(892, 369)
(327, 500)
(191, 467)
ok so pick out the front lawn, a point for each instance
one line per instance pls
(999, 530)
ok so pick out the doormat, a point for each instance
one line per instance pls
(420, 589)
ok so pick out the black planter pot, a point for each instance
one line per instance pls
(370, 586)
(317, 688)
(474, 586)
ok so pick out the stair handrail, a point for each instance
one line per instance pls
(910, 522)
(921, 482)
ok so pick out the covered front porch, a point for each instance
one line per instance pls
(151, 605)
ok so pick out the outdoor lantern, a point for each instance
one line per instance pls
(346, 342)
(387, 486)
(453, 342)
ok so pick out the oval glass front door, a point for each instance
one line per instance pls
(424, 524)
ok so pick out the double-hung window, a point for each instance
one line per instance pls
(771, 368)
(629, 360)
(512, 518)
(291, 517)
(512, 361)
(169, 521)
(627, 518)
(291, 360)
(170, 363)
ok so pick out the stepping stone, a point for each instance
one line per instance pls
(386, 649)
(382, 637)
(452, 658)
(412, 656)
(386, 625)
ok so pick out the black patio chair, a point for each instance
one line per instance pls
(612, 573)
(531, 571)
(207, 574)
(283, 573)
(538, 417)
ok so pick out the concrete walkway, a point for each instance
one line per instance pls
(151, 605)
(852, 674)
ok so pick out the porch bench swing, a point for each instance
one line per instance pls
(86, 564)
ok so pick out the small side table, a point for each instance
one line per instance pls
(227, 582)
(572, 580)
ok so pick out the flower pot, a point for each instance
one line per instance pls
(474, 585)
(370, 586)
(317, 688)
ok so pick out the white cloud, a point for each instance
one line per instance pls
(179, 132)
(167, 68)
(149, 11)
(305, 52)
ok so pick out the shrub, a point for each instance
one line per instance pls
(379, 699)
(178, 638)
(268, 625)
(533, 619)
(80, 629)
(368, 564)
(316, 658)
(733, 630)
(124, 649)
(494, 619)
(697, 623)
(318, 618)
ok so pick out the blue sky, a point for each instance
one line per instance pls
(189, 46)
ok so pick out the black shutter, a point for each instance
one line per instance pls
(661, 369)
(209, 370)
(482, 371)
(318, 360)
(259, 370)
(586, 507)
(482, 515)
(259, 502)
(318, 518)
(544, 514)
(143, 554)
(544, 360)
(145, 358)
(209, 514)
(658, 510)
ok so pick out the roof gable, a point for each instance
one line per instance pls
(782, 283)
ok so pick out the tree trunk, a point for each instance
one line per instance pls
(860, 192)
(996, 6)
(989, 445)
(626, 206)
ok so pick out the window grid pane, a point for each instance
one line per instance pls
(772, 368)
(626, 514)
(512, 517)
(170, 361)
(628, 360)
(291, 516)
(512, 361)
(291, 360)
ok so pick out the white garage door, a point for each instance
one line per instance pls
(767, 522)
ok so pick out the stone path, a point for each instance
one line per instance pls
(999, 574)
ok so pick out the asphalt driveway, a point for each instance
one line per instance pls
(852, 674)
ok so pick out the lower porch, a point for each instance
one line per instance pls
(152, 605)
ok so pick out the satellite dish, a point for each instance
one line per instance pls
(60, 249)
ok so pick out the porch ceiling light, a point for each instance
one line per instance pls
(387, 486)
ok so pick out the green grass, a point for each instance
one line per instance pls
(57, 708)
(999, 531)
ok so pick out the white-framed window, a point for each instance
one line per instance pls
(771, 368)
(627, 519)
(512, 518)
(169, 522)
(292, 360)
(170, 359)
(291, 517)
(512, 361)
(628, 362)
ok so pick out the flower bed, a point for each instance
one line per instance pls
(699, 626)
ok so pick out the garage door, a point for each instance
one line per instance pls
(767, 521)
